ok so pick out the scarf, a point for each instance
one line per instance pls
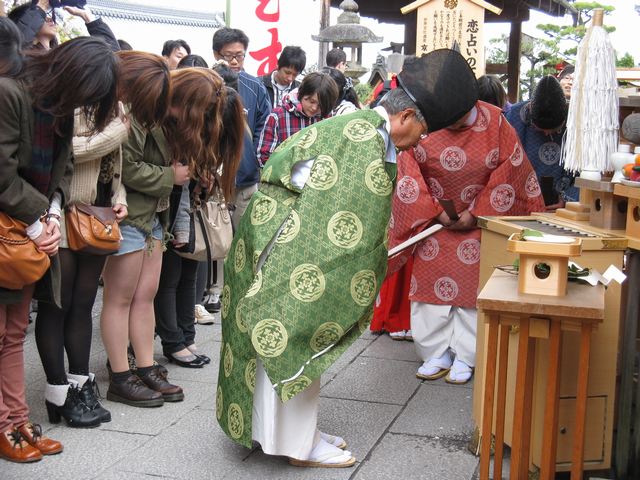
(38, 173)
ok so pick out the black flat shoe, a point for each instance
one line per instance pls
(204, 358)
(197, 362)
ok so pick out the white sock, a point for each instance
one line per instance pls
(79, 379)
(56, 394)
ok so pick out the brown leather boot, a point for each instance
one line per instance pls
(32, 433)
(156, 380)
(15, 449)
(134, 392)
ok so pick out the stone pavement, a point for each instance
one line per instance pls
(396, 426)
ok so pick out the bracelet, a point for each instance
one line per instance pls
(52, 217)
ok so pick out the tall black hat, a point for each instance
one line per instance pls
(441, 84)
(548, 105)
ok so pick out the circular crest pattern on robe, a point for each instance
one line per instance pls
(305, 265)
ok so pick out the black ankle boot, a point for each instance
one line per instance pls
(76, 413)
(90, 395)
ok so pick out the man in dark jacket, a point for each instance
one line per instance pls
(282, 80)
(230, 44)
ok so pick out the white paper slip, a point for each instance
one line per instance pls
(415, 239)
(595, 277)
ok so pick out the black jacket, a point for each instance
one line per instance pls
(266, 80)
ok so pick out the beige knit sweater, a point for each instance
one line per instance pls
(88, 151)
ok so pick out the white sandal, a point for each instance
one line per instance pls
(459, 374)
(435, 368)
(325, 455)
(334, 440)
(398, 335)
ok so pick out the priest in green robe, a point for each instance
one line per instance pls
(310, 255)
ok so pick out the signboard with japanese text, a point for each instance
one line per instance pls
(443, 23)
(265, 23)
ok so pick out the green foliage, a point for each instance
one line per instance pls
(562, 40)
(559, 43)
(626, 61)
(363, 89)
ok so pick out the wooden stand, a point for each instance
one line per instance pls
(541, 317)
(600, 249)
(575, 211)
(632, 228)
(608, 210)
(554, 255)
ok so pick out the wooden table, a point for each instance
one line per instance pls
(536, 317)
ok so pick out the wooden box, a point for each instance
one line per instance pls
(632, 228)
(534, 280)
(607, 210)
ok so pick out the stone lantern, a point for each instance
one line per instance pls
(348, 34)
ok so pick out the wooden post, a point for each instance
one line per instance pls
(513, 65)
(628, 347)
(323, 49)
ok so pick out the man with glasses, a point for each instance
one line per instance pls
(566, 80)
(230, 44)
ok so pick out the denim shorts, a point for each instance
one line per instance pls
(134, 239)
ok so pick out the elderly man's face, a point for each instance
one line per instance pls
(406, 129)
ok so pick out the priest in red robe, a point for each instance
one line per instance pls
(476, 167)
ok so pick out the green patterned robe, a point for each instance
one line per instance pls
(322, 256)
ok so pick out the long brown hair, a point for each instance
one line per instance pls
(81, 73)
(234, 130)
(145, 86)
(194, 129)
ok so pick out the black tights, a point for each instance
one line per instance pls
(69, 328)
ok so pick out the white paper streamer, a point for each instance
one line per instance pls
(592, 123)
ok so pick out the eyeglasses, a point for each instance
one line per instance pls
(238, 57)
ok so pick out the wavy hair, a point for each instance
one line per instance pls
(81, 73)
(234, 129)
(195, 129)
(145, 86)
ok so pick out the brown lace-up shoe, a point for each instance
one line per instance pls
(32, 433)
(157, 380)
(134, 392)
(15, 449)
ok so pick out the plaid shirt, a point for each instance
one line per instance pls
(281, 124)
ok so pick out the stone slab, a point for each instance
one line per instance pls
(437, 412)
(374, 380)
(261, 466)
(86, 454)
(194, 447)
(400, 456)
(385, 347)
(360, 424)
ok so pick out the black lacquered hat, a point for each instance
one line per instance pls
(442, 85)
(548, 105)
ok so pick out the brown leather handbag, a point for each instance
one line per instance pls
(21, 263)
(92, 229)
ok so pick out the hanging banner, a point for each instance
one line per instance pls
(264, 22)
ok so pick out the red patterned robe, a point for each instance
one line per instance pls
(482, 168)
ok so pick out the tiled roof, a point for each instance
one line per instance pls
(145, 13)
